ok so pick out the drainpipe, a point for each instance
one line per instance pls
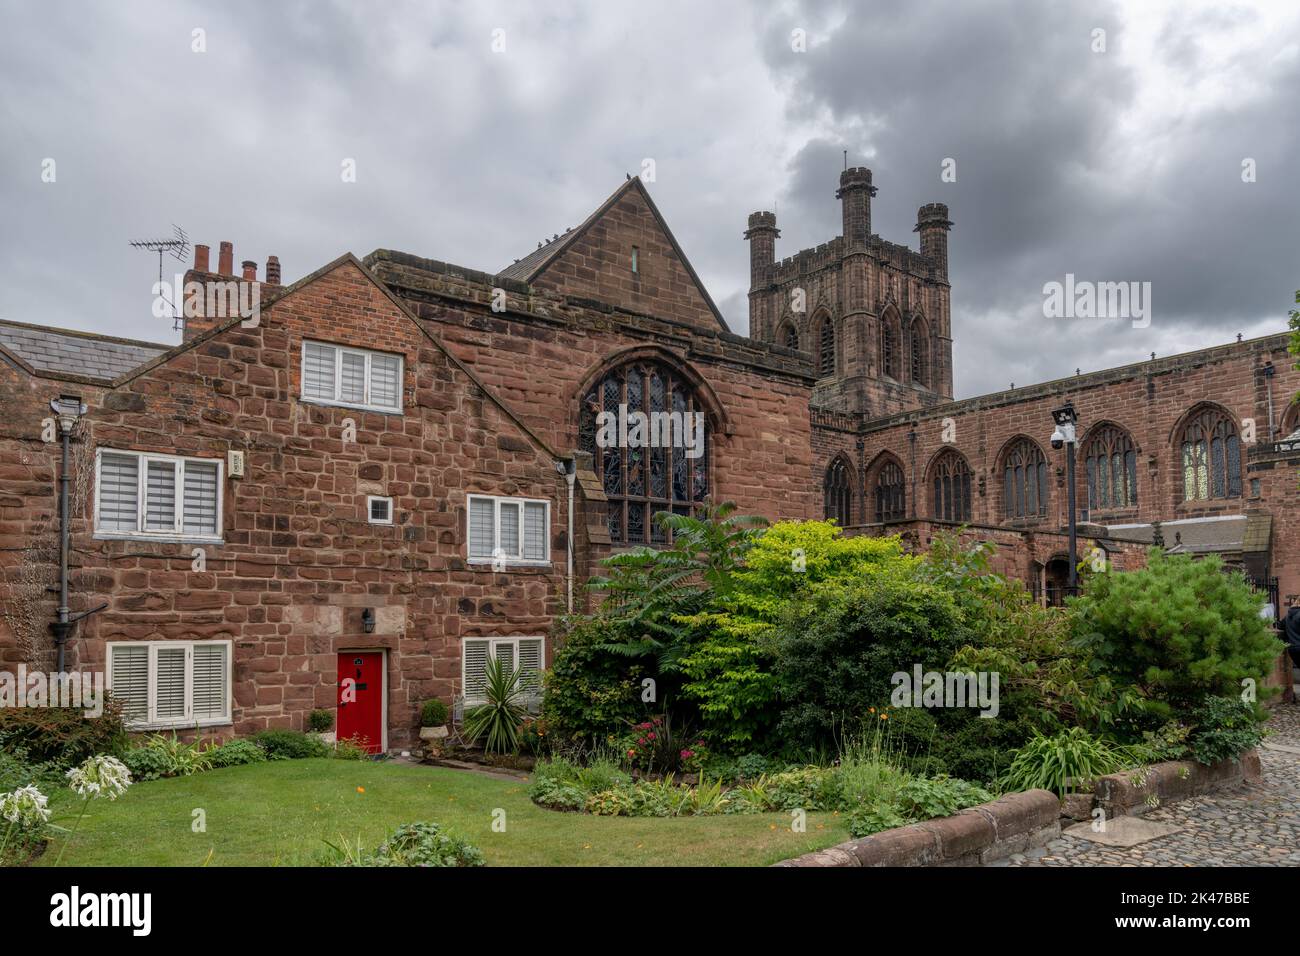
(569, 468)
(1268, 382)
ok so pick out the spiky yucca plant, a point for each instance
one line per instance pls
(497, 721)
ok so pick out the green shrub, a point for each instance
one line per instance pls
(236, 753)
(167, 756)
(320, 721)
(496, 722)
(412, 844)
(808, 788)
(433, 713)
(875, 818)
(1070, 760)
(289, 745)
(925, 798)
(591, 693)
(837, 651)
(1177, 631)
(63, 736)
(355, 747)
(18, 770)
(1225, 728)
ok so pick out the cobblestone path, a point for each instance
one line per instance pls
(1251, 825)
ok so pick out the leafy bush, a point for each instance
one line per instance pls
(1070, 760)
(875, 818)
(320, 721)
(838, 649)
(920, 798)
(289, 745)
(497, 721)
(166, 756)
(63, 736)
(433, 713)
(412, 844)
(656, 746)
(355, 747)
(591, 693)
(809, 788)
(18, 770)
(1226, 727)
(1177, 631)
(236, 753)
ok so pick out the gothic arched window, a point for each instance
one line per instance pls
(920, 351)
(791, 337)
(826, 348)
(888, 348)
(1111, 462)
(1024, 481)
(1211, 457)
(951, 484)
(838, 492)
(891, 498)
(662, 468)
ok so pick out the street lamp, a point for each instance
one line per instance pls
(1066, 419)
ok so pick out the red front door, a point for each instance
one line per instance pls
(361, 698)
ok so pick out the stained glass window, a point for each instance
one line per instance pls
(1111, 463)
(951, 488)
(1211, 457)
(838, 492)
(890, 493)
(1025, 481)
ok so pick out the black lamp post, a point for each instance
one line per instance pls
(67, 411)
(1066, 419)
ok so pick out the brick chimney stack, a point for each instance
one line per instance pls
(201, 258)
(855, 194)
(226, 260)
(272, 270)
(250, 270)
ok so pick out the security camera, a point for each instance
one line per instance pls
(1058, 438)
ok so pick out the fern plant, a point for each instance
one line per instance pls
(497, 720)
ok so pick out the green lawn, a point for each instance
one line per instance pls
(280, 813)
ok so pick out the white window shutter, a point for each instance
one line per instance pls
(169, 683)
(160, 496)
(504, 651)
(385, 381)
(509, 529)
(211, 680)
(119, 492)
(129, 677)
(200, 507)
(474, 655)
(535, 531)
(318, 371)
(352, 385)
(530, 665)
(482, 530)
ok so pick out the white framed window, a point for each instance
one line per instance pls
(526, 654)
(356, 378)
(140, 494)
(379, 510)
(507, 530)
(171, 683)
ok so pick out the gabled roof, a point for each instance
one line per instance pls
(536, 262)
(76, 353)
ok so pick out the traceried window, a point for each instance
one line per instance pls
(826, 348)
(1111, 463)
(891, 498)
(666, 468)
(888, 348)
(920, 353)
(1025, 481)
(1211, 456)
(791, 338)
(951, 488)
(837, 489)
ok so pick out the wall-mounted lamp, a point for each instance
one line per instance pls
(368, 620)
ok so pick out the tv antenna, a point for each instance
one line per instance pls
(179, 247)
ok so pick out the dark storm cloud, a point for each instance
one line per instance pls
(1068, 161)
(1066, 164)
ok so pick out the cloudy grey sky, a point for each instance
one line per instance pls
(1116, 165)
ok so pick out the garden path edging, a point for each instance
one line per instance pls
(1013, 823)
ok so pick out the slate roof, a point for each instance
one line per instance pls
(76, 353)
(1220, 535)
(531, 264)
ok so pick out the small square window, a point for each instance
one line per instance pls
(380, 510)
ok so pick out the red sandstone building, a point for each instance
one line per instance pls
(391, 473)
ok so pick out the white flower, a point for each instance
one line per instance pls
(25, 806)
(100, 776)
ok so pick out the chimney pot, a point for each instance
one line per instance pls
(201, 258)
(250, 270)
(272, 270)
(226, 259)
